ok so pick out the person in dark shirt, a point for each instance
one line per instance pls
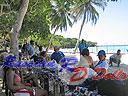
(57, 55)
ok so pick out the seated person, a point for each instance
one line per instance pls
(42, 57)
(95, 77)
(116, 58)
(103, 63)
(86, 55)
(3, 54)
(57, 55)
(41, 48)
(31, 78)
(14, 83)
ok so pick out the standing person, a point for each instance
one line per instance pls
(82, 45)
(31, 48)
(37, 52)
(116, 58)
(24, 50)
(57, 55)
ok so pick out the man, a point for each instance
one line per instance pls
(30, 48)
(102, 60)
(116, 58)
(37, 52)
(57, 55)
(82, 45)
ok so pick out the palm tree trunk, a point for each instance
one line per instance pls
(50, 41)
(80, 31)
(16, 28)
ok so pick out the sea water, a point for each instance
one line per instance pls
(110, 48)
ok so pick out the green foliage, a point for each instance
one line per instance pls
(58, 14)
(69, 42)
(91, 44)
(64, 42)
(6, 22)
(35, 21)
(43, 14)
(14, 4)
(88, 8)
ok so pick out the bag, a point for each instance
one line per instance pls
(113, 87)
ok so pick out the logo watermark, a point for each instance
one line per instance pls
(67, 64)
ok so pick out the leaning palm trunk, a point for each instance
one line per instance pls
(50, 41)
(80, 31)
(16, 28)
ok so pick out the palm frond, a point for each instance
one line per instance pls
(99, 3)
(69, 21)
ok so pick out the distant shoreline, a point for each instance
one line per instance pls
(110, 45)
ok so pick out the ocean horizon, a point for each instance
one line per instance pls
(106, 48)
(109, 48)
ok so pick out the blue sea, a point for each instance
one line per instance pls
(109, 48)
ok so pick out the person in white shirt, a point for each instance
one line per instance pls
(85, 58)
(116, 58)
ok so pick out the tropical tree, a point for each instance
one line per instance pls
(35, 21)
(35, 25)
(14, 33)
(19, 9)
(86, 9)
(59, 16)
(56, 13)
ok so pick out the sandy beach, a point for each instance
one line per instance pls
(123, 65)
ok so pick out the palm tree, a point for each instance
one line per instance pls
(86, 9)
(59, 17)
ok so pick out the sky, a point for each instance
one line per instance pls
(110, 29)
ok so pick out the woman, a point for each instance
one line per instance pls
(14, 83)
(85, 56)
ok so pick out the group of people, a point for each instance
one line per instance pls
(115, 58)
(14, 81)
(28, 49)
(84, 51)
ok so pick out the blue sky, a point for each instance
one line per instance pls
(111, 27)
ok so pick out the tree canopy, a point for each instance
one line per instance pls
(45, 14)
